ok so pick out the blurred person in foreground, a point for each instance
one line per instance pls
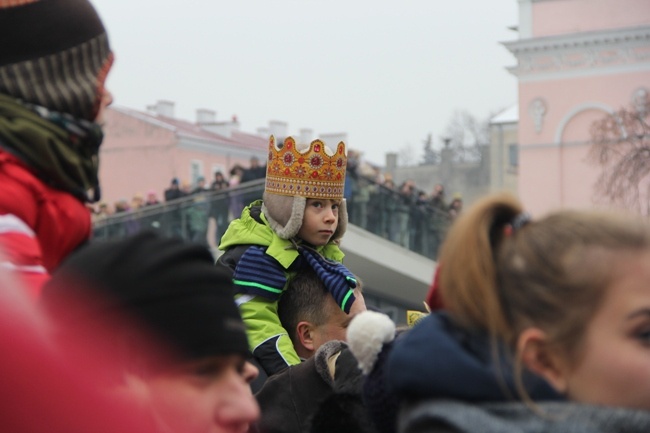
(166, 315)
(53, 64)
(47, 390)
(543, 328)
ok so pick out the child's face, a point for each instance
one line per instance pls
(212, 395)
(320, 221)
(613, 366)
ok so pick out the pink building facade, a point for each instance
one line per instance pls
(144, 151)
(577, 60)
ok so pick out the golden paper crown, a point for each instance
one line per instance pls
(311, 173)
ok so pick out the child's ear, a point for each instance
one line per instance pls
(305, 335)
(541, 358)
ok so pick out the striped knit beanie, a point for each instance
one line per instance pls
(54, 53)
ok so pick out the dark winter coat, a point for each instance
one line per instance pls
(307, 398)
(438, 359)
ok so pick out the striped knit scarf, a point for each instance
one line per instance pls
(62, 151)
(337, 278)
(259, 274)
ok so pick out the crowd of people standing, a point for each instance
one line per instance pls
(403, 213)
(192, 211)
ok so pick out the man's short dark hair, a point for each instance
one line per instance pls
(305, 300)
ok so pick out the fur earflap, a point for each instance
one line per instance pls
(367, 334)
(343, 222)
(284, 213)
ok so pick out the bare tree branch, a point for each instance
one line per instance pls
(621, 147)
(406, 156)
(466, 134)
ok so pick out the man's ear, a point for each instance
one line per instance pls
(305, 330)
(541, 358)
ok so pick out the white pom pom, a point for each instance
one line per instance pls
(366, 336)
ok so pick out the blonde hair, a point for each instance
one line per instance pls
(551, 273)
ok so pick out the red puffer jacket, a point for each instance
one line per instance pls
(39, 225)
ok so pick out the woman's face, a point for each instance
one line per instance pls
(613, 367)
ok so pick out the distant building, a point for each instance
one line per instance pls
(144, 150)
(577, 60)
(504, 150)
(496, 171)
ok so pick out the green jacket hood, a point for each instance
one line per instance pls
(248, 231)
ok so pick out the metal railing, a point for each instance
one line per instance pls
(204, 217)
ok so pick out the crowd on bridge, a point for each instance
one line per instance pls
(532, 324)
(403, 214)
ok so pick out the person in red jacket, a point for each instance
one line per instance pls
(52, 98)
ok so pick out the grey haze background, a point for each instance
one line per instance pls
(386, 72)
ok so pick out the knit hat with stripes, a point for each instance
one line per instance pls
(54, 53)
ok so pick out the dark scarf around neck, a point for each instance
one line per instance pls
(61, 150)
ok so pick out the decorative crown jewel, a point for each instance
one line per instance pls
(311, 173)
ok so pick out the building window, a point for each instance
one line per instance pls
(513, 155)
(196, 170)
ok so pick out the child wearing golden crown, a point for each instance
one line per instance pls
(298, 224)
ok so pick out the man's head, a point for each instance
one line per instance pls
(296, 172)
(310, 314)
(58, 56)
(152, 197)
(151, 288)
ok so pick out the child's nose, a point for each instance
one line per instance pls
(329, 214)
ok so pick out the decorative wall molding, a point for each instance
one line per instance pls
(581, 52)
(640, 99)
(575, 111)
(537, 110)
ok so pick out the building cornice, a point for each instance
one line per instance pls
(581, 53)
(214, 147)
(144, 118)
